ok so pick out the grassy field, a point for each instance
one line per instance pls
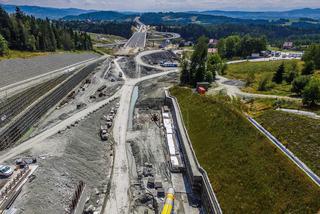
(105, 38)
(248, 174)
(258, 106)
(22, 54)
(298, 133)
(261, 69)
(14, 54)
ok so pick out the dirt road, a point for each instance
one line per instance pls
(119, 200)
(235, 91)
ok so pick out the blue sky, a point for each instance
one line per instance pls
(172, 5)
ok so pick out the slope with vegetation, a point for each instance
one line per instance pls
(247, 173)
(299, 134)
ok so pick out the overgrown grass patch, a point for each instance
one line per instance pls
(248, 174)
(261, 69)
(298, 133)
(13, 54)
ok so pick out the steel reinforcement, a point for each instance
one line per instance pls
(11, 107)
(19, 126)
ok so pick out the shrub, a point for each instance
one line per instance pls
(299, 84)
(311, 93)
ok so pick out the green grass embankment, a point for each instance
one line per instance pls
(248, 174)
(299, 134)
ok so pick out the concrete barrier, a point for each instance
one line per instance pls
(196, 174)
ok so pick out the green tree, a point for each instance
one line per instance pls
(278, 76)
(3, 46)
(308, 68)
(311, 93)
(185, 73)
(292, 72)
(313, 54)
(299, 83)
(214, 64)
(198, 61)
(209, 77)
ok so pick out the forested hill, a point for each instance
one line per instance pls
(100, 16)
(161, 18)
(291, 14)
(45, 12)
(24, 32)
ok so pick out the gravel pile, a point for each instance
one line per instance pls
(15, 70)
(156, 58)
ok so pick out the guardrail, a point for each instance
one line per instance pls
(197, 175)
(22, 85)
(22, 123)
(286, 151)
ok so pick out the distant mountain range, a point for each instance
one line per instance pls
(186, 17)
(43, 12)
(100, 16)
(291, 14)
(160, 18)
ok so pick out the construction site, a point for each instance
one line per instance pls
(99, 136)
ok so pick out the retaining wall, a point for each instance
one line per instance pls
(20, 125)
(196, 174)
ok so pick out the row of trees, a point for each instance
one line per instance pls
(312, 57)
(302, 83)
(234, 46)
(275, 33)
(24, 32)
(201, 67)
(114, 28)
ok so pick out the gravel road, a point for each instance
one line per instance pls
(15, 70)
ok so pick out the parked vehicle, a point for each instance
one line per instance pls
(104, 134)
(5, 171)
(102, 88)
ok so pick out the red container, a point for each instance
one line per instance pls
(201, 90)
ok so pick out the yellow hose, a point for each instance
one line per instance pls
(168, 204)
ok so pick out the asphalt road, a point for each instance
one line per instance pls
(15, 70)
(119, 201)
(138, 40)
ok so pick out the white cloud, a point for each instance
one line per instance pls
(172, 5)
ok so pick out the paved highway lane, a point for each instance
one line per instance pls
(138, 40)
